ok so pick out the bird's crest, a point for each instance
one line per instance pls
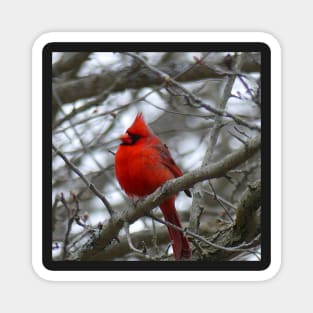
(139, 127)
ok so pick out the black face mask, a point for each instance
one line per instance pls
(133, 137)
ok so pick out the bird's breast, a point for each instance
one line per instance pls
(139, 170)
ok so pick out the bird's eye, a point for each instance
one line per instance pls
(133, 137)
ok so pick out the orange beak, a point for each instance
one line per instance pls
(125, 138)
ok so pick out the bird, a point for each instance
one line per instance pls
(142, 164)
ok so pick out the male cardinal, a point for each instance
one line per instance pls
(142, 164)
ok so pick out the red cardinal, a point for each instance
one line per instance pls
(142, 164)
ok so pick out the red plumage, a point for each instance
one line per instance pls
(142, 164)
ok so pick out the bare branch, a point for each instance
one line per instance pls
(220, 202)
(91, 85)
(122, 249)
(70, 219)
(91, 186)
(197, 204)
(197, 102)
(132, 247)
(247, 219)
(69, 61)
(240, 248)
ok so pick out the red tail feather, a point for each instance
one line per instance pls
(181, 246)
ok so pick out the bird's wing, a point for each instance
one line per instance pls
(167, 160)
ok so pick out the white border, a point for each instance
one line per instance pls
(271, 271)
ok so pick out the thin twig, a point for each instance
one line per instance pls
(201, 238)
(80, 236)
(220, 199)
(85, 148)
(241, 132)
(155, 237)
(131, 245)
(70, 220)
(206, 117)
(220, 202)
(90, 186)
(191, 97)
(98, 99)
(241, 78)
(236, 137)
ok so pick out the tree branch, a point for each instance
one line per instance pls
(91, 85)
(247, 220)
(197, 203)
(244, 233)
(91, 186)
(113, 225)
(193, 100)
(122, 249)
(240, 248)
(69, 61)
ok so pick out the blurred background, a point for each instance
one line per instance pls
(96, 97)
